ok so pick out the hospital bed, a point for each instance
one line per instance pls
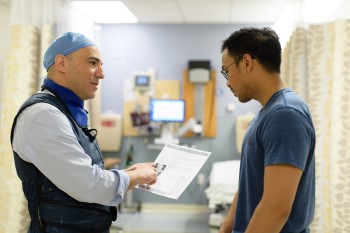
(223, 183)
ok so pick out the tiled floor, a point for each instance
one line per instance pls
(162, 223)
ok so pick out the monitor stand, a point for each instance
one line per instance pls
(167, 135)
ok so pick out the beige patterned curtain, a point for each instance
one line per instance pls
(18, 84)
(316, 64)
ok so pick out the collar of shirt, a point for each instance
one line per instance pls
(74, 103)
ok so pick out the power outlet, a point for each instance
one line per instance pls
(201, 179)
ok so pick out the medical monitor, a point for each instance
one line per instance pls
(142, 80)
(167, 110)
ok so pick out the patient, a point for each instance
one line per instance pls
(276, 190)
(56, 154)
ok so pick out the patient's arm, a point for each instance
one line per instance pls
(280, 187)
(229, 221)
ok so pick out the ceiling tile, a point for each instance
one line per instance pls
(155, 11)
(256, 11)
(206, 11)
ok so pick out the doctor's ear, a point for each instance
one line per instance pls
(60, 63)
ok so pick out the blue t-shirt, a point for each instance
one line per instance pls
(282, 133)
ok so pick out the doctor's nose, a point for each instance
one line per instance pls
(100, 73)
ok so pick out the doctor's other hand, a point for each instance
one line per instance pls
(141, 173)
(139, 166)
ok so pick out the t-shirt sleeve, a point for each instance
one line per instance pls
(287, 138)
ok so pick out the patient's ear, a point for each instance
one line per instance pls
(248, 62)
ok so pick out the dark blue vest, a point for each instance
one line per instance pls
(51, 209)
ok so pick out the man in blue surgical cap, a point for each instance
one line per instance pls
(56, 154)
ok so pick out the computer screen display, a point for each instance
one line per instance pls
(166, 110)
(142, 80)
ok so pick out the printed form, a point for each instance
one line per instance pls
(176, 168)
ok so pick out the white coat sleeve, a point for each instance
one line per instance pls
(44, 136)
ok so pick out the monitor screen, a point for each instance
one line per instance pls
(166, 110)
(142, 80)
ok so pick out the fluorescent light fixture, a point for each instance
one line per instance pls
(106, 12)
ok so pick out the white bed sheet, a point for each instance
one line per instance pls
(223, 182)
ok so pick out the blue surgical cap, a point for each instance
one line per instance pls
(66, 44)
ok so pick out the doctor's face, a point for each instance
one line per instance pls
(84, 72)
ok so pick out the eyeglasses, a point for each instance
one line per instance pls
(224, 72)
